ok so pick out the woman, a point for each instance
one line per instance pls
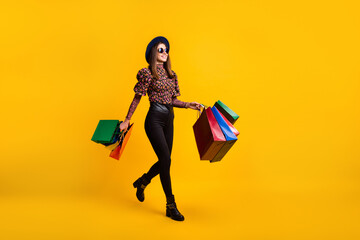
(161, 85)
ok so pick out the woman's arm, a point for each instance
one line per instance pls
(180, 104)
(131, 111)
(133, 106)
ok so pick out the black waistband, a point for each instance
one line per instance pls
(161, 107)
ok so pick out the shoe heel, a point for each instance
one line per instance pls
(168, 213)
(136, 183)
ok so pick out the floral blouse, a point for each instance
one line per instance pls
(162, 90)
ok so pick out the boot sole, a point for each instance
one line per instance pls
(169, 215)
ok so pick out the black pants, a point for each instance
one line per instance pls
(159, 129)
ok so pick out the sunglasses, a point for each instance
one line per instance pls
(161, 50)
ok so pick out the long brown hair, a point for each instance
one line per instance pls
(152, 65)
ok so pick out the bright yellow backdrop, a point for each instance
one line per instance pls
(290, 69)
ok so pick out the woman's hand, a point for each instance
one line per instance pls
(124, 125)
(195, 105)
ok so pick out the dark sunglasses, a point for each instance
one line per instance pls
(161, 50)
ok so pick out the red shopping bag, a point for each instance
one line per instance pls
(116, 153)
(208, 135)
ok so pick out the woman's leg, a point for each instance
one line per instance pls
(153, 171)
(169, 133)
(156, 125)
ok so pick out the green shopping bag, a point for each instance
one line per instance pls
(106, 131)
(226, 111)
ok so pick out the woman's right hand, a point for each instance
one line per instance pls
(124, 125)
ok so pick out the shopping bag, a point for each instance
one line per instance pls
(116, 137)
(114, 145)
(124, 137)
(228, 133)
(106, 131)
(233, 129)
(226, 111)
(208, 135)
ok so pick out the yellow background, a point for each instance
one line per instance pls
(290, 69)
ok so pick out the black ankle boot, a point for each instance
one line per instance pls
(140, 184)
(172, 211)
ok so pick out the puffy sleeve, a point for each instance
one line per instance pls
(176, 89)
(144, 80)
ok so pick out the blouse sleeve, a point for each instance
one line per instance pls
(144, 80)
(177, 89)
(180, 104)
(133, 106)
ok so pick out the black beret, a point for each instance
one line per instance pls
(152, 43)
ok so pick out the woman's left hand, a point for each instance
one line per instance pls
(195, 105)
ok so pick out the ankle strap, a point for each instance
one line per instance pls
(171, 205)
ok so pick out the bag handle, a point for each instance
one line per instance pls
(198, 113)
(122, 134)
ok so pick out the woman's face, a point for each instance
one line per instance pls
(161, 57)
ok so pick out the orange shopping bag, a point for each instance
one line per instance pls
(116, 153)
